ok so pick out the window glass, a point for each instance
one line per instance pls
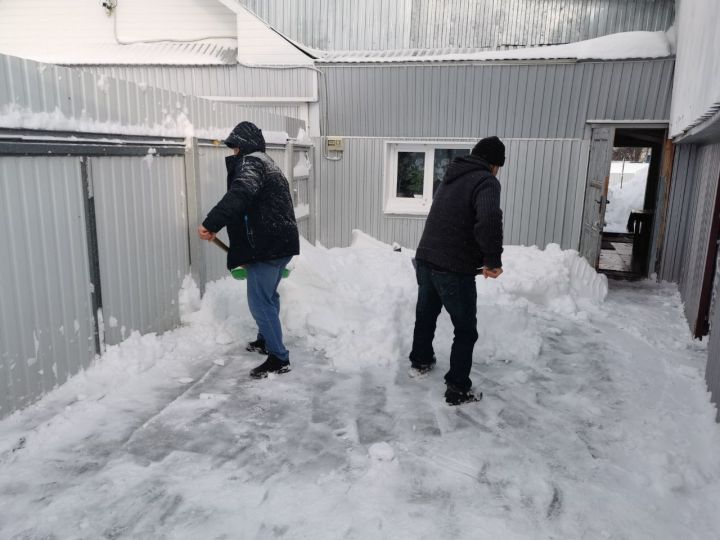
(410, 174)
(443, 157)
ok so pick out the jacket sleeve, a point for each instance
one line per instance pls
(247, 180)
(488, 228)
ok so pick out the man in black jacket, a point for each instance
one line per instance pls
(259, 215)
(463, 237)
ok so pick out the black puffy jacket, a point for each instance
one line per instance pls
(257, 211)
(464, 228)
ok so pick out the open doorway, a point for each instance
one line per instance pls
(621, 199)
(626, 233)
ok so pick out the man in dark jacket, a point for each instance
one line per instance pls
(463, 237)
(259, 215)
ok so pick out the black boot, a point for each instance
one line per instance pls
(418, 370)
(455, 396)
(257, 346)
(272, 365)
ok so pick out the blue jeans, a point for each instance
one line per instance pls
(263, 279)
(458, 295)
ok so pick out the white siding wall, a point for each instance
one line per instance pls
(696, 90)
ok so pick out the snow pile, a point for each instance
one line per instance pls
(357, 304)
(625, 194)
(595, 421)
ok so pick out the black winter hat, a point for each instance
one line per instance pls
(247, 137)
(491, 149)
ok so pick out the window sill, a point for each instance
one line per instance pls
(409, 207)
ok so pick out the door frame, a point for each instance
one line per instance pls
(591, 229)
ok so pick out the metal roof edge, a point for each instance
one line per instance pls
(471, 61)
(704, 129)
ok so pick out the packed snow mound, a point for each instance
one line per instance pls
(551, 278)
(357, 304)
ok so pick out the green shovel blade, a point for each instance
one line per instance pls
(241, 273)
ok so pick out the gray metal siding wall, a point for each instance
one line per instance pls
(74, 98)
(707, 171)
(403, 24)
(231, 80)
(712, 373)
(143, 241)
(212, 175)
(680, 213)
(550, 173)
(544, 107)
(46, 323)
(545, 100)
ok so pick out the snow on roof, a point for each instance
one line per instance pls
(168, 32)
(205, 52)
(612, 47)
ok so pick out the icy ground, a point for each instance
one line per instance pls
(595, 422)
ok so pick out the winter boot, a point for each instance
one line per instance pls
(272, 365)
(420, 370)
(257, 346)
(455, 396)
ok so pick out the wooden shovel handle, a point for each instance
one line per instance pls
(220, 244)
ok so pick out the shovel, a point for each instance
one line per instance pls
(239, 272)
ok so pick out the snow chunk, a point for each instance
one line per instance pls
(275, 137)
(381, 451)
(188, 297)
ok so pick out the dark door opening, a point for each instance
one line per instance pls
(631, 199)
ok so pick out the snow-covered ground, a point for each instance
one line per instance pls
(595, 421)
(628, 181)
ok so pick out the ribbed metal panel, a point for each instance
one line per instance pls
(344, 24)
(681, 212)
(404, 24)
(78, 100)
(229, 81)
(542, 190)
(212, 180)
(707, 172)
(536, 100)
(46, 322)
(712, 373)
(143, 242)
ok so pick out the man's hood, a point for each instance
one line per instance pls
(464, 164)
(247, 137)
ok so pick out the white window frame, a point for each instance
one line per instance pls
(419, 206)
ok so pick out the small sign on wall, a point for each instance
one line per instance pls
(335, 144)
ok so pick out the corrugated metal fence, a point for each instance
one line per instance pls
(420, 24)
(98, 244)
(100, 227)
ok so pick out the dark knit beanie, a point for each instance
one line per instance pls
(491, 149)
(247, 137)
